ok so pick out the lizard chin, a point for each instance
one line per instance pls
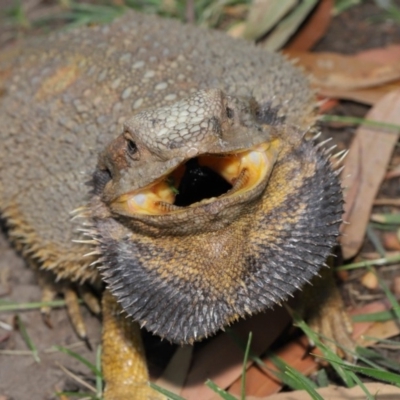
(207, 182)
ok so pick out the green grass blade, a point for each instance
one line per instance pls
(244, 369)
(391, 219)
(379, 374)
(370, 263)
(392, 299)
(346, 376)
(81, 395)
(360, 121)
(99, 377)
(304, 383)
(166, 392)
(12, 306)
(279, 364)
(221, 392)
(376, 241)
(381, 316)
(27, 339)
(362, 386)
(281, 373)
(81, 359)
(376, 360)
(322, 378)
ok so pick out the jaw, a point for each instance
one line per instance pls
(202, 189)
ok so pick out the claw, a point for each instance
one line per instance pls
(90, 300)
(74, 312)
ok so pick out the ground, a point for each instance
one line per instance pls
(21, 377)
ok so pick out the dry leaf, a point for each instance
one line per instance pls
(365, 96)
(394, 173)
(384, 391)
(326, 104)
(381, 55)
(387, 202)
(264, 15)
(364, 170)
(288, 26)
(342, 72)
(379, 331)
(390, 240)
(314, 29)
(369, 280)
(360, 89)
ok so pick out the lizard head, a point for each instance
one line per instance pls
(209, 210)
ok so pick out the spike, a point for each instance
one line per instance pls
(321, 144)
(328, 151)
(94, 241)
(339, 153)
(339, 171)
(92, 253)
(78, 216)
(343, 156)
(317, 135)
(78, 210)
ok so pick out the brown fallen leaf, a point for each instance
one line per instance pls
(383, 390)
(364, 171)
(389, 54)
(387, 202)
(381, 330)
(343, 72)
(326, 104)
(390, 241)
(314, 29)
(264, 15)
(369, 96)
(372, 59)
(370, 280)
(382, 55)
(394, 173)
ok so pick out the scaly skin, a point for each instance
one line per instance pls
(66, 97)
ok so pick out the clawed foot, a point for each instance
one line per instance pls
(51, 288)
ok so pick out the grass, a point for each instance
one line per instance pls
(13, 306)
(27, 339)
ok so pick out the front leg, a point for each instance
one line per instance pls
(123, 358)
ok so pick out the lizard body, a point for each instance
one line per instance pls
(153, 97)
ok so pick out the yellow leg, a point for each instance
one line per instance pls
(123, 358)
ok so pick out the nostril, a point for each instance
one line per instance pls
(100, 179)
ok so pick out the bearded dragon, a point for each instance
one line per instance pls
(200, 198)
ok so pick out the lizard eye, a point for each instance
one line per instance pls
(131, 147)
(229, 112)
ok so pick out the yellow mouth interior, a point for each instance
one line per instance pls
(241, 171)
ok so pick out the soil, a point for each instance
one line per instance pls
(21, 377)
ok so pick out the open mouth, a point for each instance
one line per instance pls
(199, 181)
